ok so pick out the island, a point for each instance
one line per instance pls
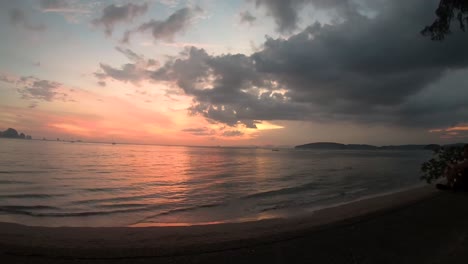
(339, 146)
(13, 133)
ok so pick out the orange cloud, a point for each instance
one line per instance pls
(458, 131)
(458, 128)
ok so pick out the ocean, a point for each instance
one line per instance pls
(47, 183)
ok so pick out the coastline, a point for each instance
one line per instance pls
(146, 243)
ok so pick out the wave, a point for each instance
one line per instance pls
(119, 199)
(284, 191)
(185, 209)
(21, 171)
(30, 195)
(222, 175)
(23, 211)
(14, 182)
(295, 204)
(125, 205)
(158, 184)
(109, 189)
(29, 210)
(178, 210)
(26, 207)
(354, 191)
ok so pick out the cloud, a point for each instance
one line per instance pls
(166, 29)
(459, 132)
(33, 88)
(113, 14)
(205, 131)
(32, 105)
(440, 104)
(127, 73)
(365, 69)
(19, 18)
(54, 5)
(135, 72)
(232, 133)
(73, 11)
(202, 131)
(285, 12)
(247, 17)
(228, 88)
(170, 3)
(8, 78)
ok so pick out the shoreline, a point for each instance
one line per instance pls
(287, 216)
(147, 242)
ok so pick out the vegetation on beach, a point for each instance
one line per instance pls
(434, 168)
(448, 11)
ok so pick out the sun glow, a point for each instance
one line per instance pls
(70, 128)
(268, 126)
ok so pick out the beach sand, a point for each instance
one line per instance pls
(415, 226)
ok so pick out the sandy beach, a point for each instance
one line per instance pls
(415, 226)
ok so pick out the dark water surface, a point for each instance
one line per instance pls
(78, 184)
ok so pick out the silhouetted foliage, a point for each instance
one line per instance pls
(10, 133)
(13, 133)
(435, 167)
(447, 12)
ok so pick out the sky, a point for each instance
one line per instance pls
(231, 73)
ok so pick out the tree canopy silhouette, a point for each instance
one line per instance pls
(447, 12)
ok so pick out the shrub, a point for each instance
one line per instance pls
(435, 167)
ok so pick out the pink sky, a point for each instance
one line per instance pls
(68, 71)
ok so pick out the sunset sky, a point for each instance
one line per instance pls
(234, 72)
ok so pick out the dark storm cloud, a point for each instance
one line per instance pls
(19, 18)
(441, 104)
(285, 12)
(113, 14)
(247, 17)
(167, 29)
(363, 70)
(229, 89)
(363, 65)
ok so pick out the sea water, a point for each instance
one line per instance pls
(46, 183)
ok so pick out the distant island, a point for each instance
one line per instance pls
(13, 133)
(339, 146)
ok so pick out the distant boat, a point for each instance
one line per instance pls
(275, 149)
(113, 143)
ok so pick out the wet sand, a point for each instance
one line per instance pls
(415, 226)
